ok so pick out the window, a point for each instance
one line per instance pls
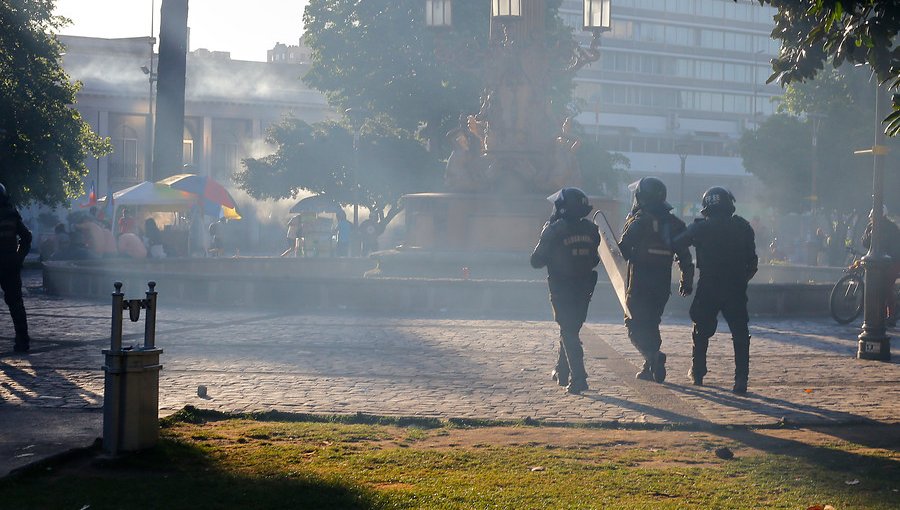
(187, 152)
(124, 161)
(224, 160)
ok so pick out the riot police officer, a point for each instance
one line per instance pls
(568, 248)
(726, 259)
(646, 244)
(15, 241)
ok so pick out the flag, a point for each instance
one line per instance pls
(92, 197)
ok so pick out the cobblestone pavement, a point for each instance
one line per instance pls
(802, 371)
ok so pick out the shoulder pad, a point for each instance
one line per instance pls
(741, 221)
(676, 220)
(552, 228)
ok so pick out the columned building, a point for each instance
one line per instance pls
(679, 76)
(229, 105)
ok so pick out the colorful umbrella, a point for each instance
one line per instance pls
(316, 204)
(214, 197)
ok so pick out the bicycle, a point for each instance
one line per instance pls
(847, 295)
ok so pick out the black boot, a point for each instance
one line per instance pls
(23, 343)
(741, 364)
(698, 358)
(575, 360)
(561, 378)
(645, 374)
(577, 386)
(658, 367)
(560, 372)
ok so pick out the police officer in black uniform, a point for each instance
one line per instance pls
(647, 246)
(726, 259)
(15, 241)
(568, 247)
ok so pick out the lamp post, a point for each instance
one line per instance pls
(815, 121)
(682, 149)
(515, 127)
(874, 344)
(151, 77)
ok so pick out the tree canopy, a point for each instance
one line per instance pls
(408, 83)
(320, 158)
(780, 151)
(379, 56)
(43, 139)
(813, 32)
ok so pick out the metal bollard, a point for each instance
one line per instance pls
(131, 385)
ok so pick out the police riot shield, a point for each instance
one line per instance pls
(612, 259)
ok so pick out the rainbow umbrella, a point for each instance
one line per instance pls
(214, 198)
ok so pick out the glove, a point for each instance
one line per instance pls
(750, 274)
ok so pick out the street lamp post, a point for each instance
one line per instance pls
(874, 344)
(816, 121)
(151, 77)
(682, 149)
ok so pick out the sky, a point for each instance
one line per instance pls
(214, 23)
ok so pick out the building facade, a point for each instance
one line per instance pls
(679, 76)
(229, 105)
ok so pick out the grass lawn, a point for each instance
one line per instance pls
(210, 461)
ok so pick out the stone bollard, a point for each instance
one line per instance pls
(131, 386)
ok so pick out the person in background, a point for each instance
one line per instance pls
(293, 236)
(344, 233)
(153, 239)
(217, 237)
(890, 245)
(15, 242)
(126, 223)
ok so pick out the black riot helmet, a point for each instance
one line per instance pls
(570, 203)
(717, 201)
(649, 191)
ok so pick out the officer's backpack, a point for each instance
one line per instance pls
(655, 247)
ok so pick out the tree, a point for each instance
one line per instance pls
(379, 56)
(780, 152)
(813, 32)
(43, 139)
(320, 158)
(602, 172)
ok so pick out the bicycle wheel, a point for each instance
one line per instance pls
(847, 299)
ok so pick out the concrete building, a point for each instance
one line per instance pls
(229, 104)
(679, 75)
(289, 54)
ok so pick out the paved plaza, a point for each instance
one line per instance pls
(802, 371)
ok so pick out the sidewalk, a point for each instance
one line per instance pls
(802, 372)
